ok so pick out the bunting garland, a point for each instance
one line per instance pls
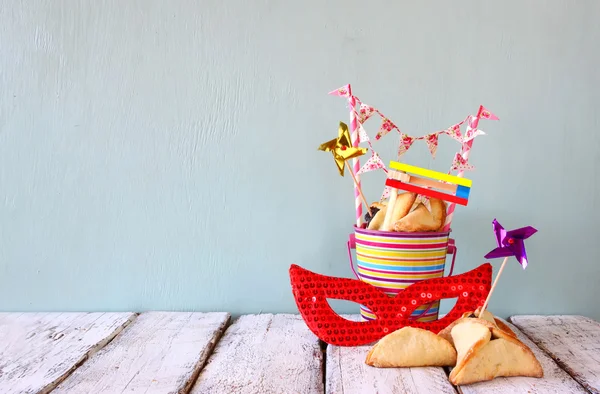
(460, 162)
(365, 112)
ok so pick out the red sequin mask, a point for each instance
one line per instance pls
(312, 290)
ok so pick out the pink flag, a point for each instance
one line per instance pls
(485, 114)
(472, 121)
(386, 127)
(471, 134)
(365, 112)
(362, 134)
(374, 163)
(405, 143)
(432, 143)
(386, 193)
(461, 164)
(344, 91)
(454, 132)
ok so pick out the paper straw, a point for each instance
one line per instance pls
(465, 155)
(355, 161)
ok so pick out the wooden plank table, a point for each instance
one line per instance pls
(346, 372)
(161, 352)
(38, 350)
(264, 354)
(572, 341)
(183, 352)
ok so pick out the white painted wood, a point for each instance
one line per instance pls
(38, 350)
(161, 352)
(572, 341)
(264, 354)
(555, 380)
(346, 372)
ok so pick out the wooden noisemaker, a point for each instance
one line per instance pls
(449, 187)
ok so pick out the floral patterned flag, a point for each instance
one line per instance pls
(461, 164)
(374, 163)
(485, 114)
(454, 132)
(471, 134)
(432, 143)
(386, 193)
(365, 112)
(386, 127)
(405, 143)
(344, 91)
(362, 134)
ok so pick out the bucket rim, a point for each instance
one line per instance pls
(402, 234)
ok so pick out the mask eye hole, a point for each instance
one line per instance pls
(431, 311)
(347, 310)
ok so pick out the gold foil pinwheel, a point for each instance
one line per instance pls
(342, 149)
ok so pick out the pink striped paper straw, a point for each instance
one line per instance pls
(355, 162)
(465, 155)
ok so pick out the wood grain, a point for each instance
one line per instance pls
(264, 354)
(39, 350)
(555, 380)
(572, 341)
(346, 372)
(161, 352)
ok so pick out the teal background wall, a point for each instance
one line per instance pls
(162, 154)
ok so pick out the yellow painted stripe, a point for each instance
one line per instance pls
(430, 174)
(422, 319)
(386, 285)
(396, 276)
(402, 263)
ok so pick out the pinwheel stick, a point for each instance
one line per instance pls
(362, 196)
(493, 287)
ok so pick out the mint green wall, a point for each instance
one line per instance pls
(163, 154)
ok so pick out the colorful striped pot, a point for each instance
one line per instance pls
(392, 261)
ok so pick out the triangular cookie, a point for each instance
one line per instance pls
(420, 219)
(487, 315)
(485, 352)
(411, 347)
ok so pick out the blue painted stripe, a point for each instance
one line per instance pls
(463, 192)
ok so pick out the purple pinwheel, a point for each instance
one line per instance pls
(511, 243)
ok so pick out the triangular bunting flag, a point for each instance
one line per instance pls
(344, 91)
(432, 143)
(460, 164)
(405, 143)
(374, 163)
(485, 114)
(386, 127)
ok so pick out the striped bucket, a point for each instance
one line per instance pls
(392, 261)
